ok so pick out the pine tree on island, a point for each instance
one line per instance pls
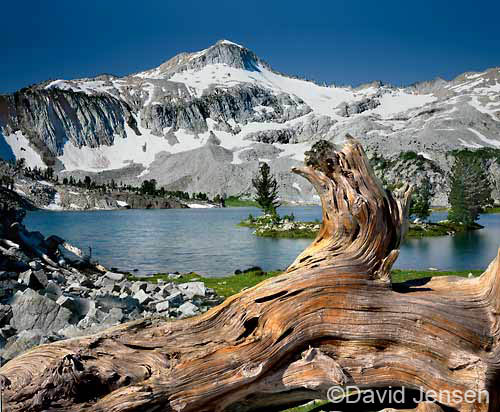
(266, 188)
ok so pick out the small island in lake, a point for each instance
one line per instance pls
(286, 227)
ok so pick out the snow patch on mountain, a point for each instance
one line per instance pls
(207, 118)
(20, 147)
(486, 140)
(400, 101)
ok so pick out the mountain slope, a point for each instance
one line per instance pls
(166, 119)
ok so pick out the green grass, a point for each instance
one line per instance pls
(223, 286)
(403, 275)
(415, 231)
(308, 407)
(230, 285)
(246, 223)
(289, 234)
(440, 209)
(438, 229)
(495, 209)
(235, 201)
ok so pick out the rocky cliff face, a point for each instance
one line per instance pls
(203, 121)
(236, 104)
(51, 117)
(32, 194)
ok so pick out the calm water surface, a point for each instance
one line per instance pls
(208, 241)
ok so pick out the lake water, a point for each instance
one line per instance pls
(208, 241)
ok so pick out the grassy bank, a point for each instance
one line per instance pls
(230, 285)
(309, 230)
(308, 407)
(224, 286)
(235, 201)
(438, 229)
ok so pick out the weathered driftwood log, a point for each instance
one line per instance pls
(333, 318)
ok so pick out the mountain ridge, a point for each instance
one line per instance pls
(226, 95)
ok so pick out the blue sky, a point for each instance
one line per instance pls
(346, 42)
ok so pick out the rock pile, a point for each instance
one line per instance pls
(48, 295)
(38, 306)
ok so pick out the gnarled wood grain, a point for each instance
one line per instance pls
(332, 319)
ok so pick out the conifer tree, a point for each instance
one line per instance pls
(421, 200)
(266, 188)
(470, 190)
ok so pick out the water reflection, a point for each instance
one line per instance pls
(209, 242)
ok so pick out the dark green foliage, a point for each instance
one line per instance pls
(10, 170)
(49, 173)
(409, 155)
(237, 201)
(87, 181)
(420, 206)
(200, 196)
(470, 190)
(266, 187)
(148, 187)
(379, 162)
(482, 154)
(220, 200)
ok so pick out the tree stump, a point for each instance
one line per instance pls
(332, 319)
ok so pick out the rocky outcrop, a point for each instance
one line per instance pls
(236, 103)
(139, 201)
(50, 118)
(223, 52)
(123, 128)
(348, 109)
(310, 129)
(49, 290)
(282, 136)
(31, 194)
(11, 199)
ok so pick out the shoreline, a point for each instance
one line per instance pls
(267, 226)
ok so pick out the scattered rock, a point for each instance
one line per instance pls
(28, 279)
(117, 277)
(53, 290)
(137, 286)
(35, 265)
(66, 302)
(31, 310)
(50, 299)
(192, 289)
(114, 317)
(142, 297)
(162, 306)
(175, 299)
(187, 309)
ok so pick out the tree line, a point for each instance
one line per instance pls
(469, 195)
(470, 188)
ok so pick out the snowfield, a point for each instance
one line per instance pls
(276, 121)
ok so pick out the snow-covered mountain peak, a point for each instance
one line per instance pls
(225, 104)
(224, 52)
(229, 42)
